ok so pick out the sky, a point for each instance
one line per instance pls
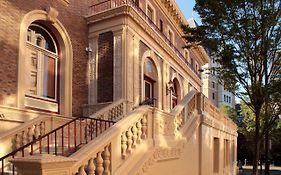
(186, 7)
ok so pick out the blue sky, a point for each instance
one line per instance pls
(186, 7)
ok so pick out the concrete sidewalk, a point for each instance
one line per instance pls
(247, 170)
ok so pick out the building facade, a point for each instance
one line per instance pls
(214, 89)
(108, 60)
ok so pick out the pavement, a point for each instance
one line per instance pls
(247, 170)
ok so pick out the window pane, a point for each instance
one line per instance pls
(147, 90)
(49, 77)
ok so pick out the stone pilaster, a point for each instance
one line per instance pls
(92, 69)
(136, 70)
(118, 76)
(130, 56)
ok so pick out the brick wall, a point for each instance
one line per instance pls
(71, 15)
(105, 67)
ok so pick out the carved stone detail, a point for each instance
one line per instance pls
(52, 14)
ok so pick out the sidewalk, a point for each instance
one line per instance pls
(247, 170)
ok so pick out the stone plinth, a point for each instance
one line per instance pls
(43, 165)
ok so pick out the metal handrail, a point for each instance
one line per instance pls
(150, 102)
(92, 129)
(132, 3)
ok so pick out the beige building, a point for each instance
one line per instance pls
(214, 89)
(106, 88)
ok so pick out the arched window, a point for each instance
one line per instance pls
(150, 79)
(41, 68)
(176, 96)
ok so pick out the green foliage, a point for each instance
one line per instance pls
(230, 112)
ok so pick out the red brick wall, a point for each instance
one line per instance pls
(71, 16)
(105, 67)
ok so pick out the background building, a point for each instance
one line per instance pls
(214, 89)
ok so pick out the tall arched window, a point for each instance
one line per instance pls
(41, 63)
(150, 79)
(176, 95)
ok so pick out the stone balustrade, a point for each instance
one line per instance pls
(141, 131)
(98, 157)
(113, 112)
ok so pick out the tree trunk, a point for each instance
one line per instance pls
(266, 153)
(256, 145)
(256, 157)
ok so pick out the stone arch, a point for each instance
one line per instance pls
(176, 90)
(48, 18)
(157, 88)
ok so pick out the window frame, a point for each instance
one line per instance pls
(150, 6)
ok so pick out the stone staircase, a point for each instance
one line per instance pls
(144, 141)
(38, 136)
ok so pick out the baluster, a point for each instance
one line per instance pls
(17, 141)
(41, 128)
(129, 140)
(99, 162)
(123, 144)
(24, 139)
(81, 170)
(135, 135)
(106, 162)
(30, 135)
(91, 167)
(139, 127)
(36, 131)
(144, 127)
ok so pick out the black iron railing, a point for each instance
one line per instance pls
(63, 140)
(109, 4)
(149, 102)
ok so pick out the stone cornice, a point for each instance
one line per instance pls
(207, 120)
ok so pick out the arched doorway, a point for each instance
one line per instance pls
(150, 78)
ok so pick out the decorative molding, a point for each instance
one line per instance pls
(52, 14)
(162, 154)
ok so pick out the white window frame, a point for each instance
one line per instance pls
(38, 100)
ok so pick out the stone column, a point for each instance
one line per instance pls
(118, 76)
(136, 70)
(130, 56)
(92, 67)
(43, 165)
(164, 86)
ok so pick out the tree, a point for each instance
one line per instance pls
(244, 36)
(229, 111)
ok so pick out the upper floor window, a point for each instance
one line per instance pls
(150, 13)
(161, 25)
(41, 63)
(186, 55)
(136, 2)
(213, 84)
(171, 36)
